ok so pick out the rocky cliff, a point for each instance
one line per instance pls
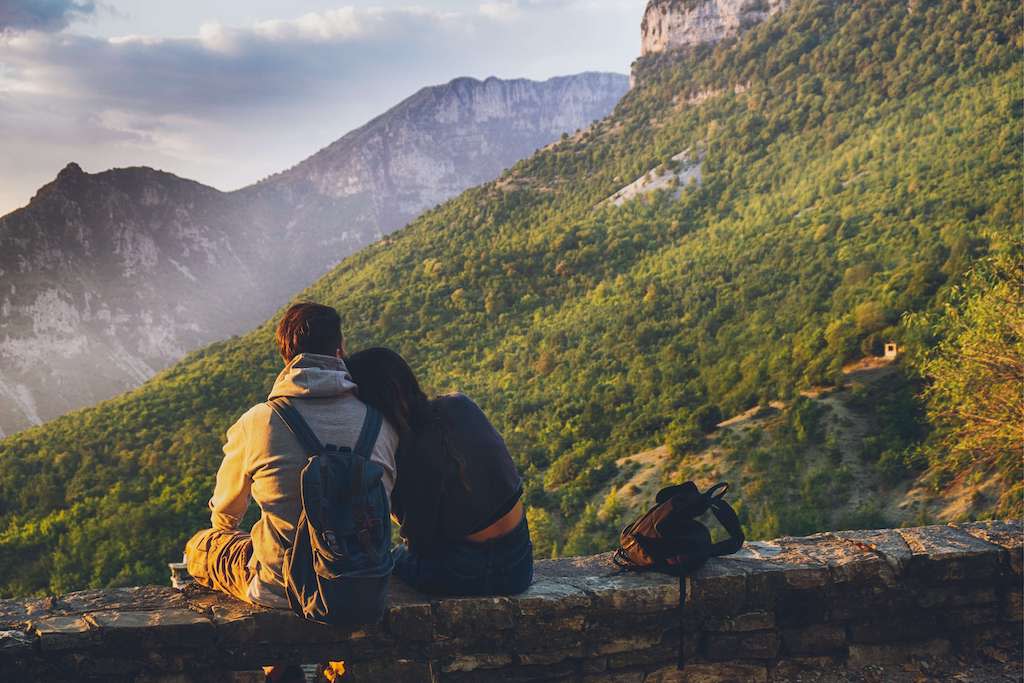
(106, 278)
(674, 24)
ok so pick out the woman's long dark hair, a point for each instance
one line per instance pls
(387, 383)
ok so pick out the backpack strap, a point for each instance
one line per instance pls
(296, 424)
(368, 434)
(726, 516)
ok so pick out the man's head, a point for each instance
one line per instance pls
(309, 328)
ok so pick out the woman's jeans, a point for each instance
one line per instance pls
(501, 566)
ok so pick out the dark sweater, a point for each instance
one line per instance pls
(438, 501)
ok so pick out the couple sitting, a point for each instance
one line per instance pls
(452, 485)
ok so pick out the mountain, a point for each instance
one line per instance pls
(106, 278)
(809, 189)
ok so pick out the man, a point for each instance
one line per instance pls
(263, 461)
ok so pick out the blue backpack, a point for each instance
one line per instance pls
(337, 570)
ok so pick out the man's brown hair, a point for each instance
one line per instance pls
(308, 328)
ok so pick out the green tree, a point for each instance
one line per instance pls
(977, 375)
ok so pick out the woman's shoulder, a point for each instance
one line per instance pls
(453, 398)
(456, 404)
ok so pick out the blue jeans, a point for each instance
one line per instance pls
(502, 566)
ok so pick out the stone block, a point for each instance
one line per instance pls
(852, 601)
(691, 643)
(483, 643)
(748, 645)
(234, 623)
(393, 671)
(567, 670)
(628, 643)
(646, 658)
(718, 588)
(175, 626)
(62, 633)
(16, 643)
(1013, 606)
(550, 597)
(574, 567)
(748, 621)
(796, 558)
(783, 577)
(132, 598)
(911, 626)
(551, 656)
(972, 640)
(665, 674)
(12, 614)
(887, 543)
(474, 616)
(957, 618)
(634, 593)
(472, 662)
(710, 672)
(1008, 535)
(614, 677)
(847, 560)
(801, 607)
(411, 622)
(862, 654)
(821, 639)
(557, 633)
(821, 668)
(955, 595)
(943, 553)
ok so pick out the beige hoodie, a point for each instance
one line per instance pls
(263, 461)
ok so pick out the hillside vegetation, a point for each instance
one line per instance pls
(867, 160)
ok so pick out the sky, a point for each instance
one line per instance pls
(227, 92)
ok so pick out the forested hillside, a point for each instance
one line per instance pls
(856, 161)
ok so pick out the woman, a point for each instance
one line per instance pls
(457, 495)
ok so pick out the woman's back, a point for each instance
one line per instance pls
(482, 483)
(457, 494)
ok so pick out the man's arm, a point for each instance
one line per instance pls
(231, 496)
(383, 454)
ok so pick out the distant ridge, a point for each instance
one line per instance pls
(106, 278)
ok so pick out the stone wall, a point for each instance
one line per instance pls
(826, 607)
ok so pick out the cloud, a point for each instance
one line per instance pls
(230, 104)
(42, 15)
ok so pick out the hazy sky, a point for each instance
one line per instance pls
(228, 91)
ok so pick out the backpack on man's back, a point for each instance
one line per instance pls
(337, 570)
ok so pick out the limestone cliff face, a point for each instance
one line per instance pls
(437, 143)
(107, 278)
(673, 24)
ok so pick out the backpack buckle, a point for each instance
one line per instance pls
(332, 541)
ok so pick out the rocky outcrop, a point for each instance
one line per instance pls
(673, 24)
(940, 602)
(107, 278)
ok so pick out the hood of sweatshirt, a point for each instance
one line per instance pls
(310, 375)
